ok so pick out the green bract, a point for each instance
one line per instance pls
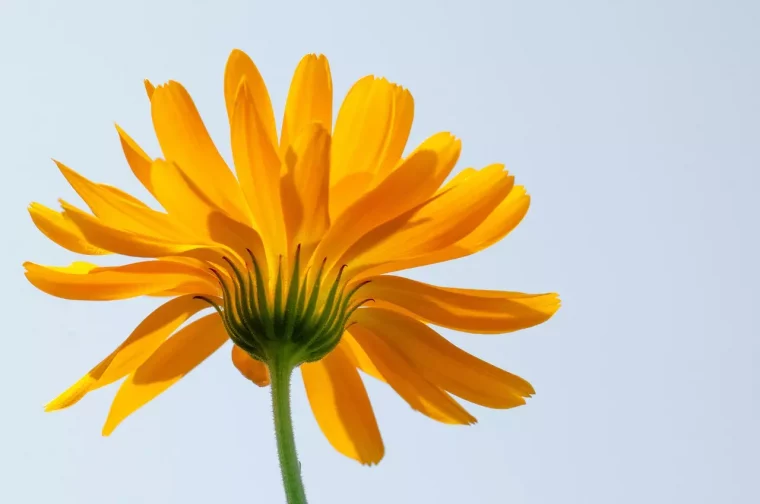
(308, 323)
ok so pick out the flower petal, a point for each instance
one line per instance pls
(306, 185)
(149, 88)
(143, 341)
(241, 67)
(496, 226)
(418, 392)
(122, 213)
(371, 130)
(182, 199)
(412, 179)
(174, 359)
(443, 363)
(469, 310)
(258, 166)
(254, 370)
(138, 160)
(62, 230)
(205, 223)
(185, 141)
(401, 126)
(445, 219)
(362, 127)
(309, 99)
(84, 281)
(342, 408)
(122, 242)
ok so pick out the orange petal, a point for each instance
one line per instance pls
(185, 141)
(149, 88)
(495, 227)
(143, 341)
(380, 205)
(309, 99)
(114, 209)
(138, 160)
(84, 281)
(241, 67)
(443, 363)
(370, 134)
(62, 230)
(258, 166)
(123, 242)
(253, 369)
(342, 408)
(469, 310)
(401, 126)
(306, 185)
(419, 393)
(174, 359)
(444, 220)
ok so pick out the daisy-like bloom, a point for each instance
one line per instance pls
(292, 256)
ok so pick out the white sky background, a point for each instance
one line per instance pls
(633, 124)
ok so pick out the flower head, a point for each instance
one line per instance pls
(296, 252)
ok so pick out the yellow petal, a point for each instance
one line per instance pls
(202, 220)
(115, 282)
(469, 310)
(412, 180)
(149, 88)
(309, 99)
(447, 149)
(118, 193)
(254, 370)
(62, 230)
(499, 223)
(138, 160)
(182, 199)
(240, 67)
(185, 141)
(306, 186)
(258, 166)
(496, 226)
(119, 212)
(174, 359)
(143, 341)
(443, 363)
(445, 219)
(122, 242)
(401, 126)
(342, 408)
(370, 134)
(362, 127)
(419, 393)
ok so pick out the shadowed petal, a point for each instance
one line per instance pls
(342, 408)
(143, 341)
(254, 370)
(469, 310)
(175, 358)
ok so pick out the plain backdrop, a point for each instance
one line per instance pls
(633, 124)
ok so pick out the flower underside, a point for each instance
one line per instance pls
(308, 318)
(260, 249)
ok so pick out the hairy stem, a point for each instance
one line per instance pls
(280, 370)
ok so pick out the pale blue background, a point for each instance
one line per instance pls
(634, 125)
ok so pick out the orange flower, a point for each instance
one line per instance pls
(287, 255)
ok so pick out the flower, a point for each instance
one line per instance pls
(297, 251)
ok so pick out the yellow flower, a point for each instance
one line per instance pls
(297, 250)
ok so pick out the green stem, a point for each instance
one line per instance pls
(280, 369)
